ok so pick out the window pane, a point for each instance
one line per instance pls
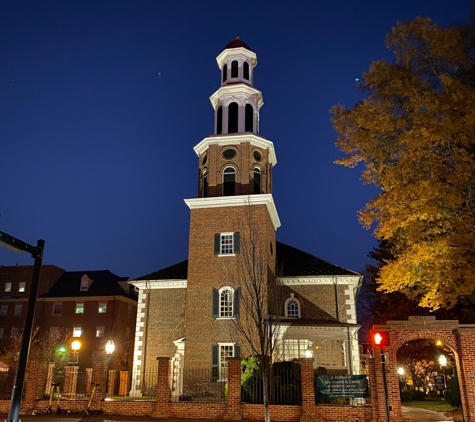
(79, 308)
(226, 351)
(226, 304)
(57, 309)
(100, 331)
(84, 285)
(77, 332)
(257, 181)
(292, 309)
(3, 310)
(8, 287)
(226, 244)
(17, 310)
(21, 286)
(102, 308)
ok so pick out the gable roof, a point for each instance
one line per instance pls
(292, 262)
(104, 283)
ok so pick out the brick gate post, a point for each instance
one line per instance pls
(99, 376)
(163, 393)
(465, 338)
(308, 390)
(233, 409)
(35, 385)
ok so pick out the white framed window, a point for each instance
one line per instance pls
(57, 308)
(21, 286)
(102, 308)
(100, 331)
(17, 311)
(292, 307)
(226, 302)
(80, 307)
(8, 286)
(3, 310)
(227, 243)
(77, 332)
(2, 332)
(226, 351)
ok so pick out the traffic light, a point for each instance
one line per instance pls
(379, 338)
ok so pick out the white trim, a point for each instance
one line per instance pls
(350, 280)
(236, 139)
(159, 284)
(237, 201)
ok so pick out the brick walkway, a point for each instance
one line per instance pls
(414, 414)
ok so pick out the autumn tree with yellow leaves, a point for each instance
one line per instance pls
(414, 133)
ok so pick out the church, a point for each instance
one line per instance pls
(186, 311)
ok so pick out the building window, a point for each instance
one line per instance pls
(225, 72)
(205, 184)
(3, 310)
(326, 353)
(219, 121)
(100, 331)
(292, 307)
(234, 69)
(21, 286)
(233, 118)
(77, 332)
(15, 331)
(85, 283)
(79, 308)
(102, 308)
(8, 287)
(245, 68)
(2, 331)
(257, 180)
(220, 356)
(227, 243)
(229, 181)
(57, 308)
(54, 332)
(226, 302)
(249, 118)
(17, 311)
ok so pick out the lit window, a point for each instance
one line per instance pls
(15, 331)
(3, 310)
(77, 332)
(226, 302)
(102, 309)
(17, 311)
(8, 286)
(57, 308)
(292, 307)
(100, 331)
(79, 308)
(2, 331)
(21, 286)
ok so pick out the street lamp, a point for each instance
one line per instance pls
(110, 347)
(400, 371)
(36, 252)
(76, 345)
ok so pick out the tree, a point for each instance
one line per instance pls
(415, 135)
(260, 297)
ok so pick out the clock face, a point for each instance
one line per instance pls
(229, 153)
(257, 156)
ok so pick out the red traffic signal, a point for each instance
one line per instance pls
(379, 338)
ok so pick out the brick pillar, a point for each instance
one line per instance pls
(99, 376)
(163, 393)
(465, 338)
(393, 387)
(233, 409)
(377, 395)
(375, 391)
(308, 390)
(35, 384)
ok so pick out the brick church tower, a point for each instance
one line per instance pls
(234, 204)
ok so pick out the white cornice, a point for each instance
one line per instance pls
(159, 284)
(236, 139)
(85, 299)
(236, 53)
(237, 201)
(238, 90)
(352, 280)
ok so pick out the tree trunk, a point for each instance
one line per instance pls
(265, 388)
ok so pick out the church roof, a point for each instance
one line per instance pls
(104, 283)
(292, 262)
(236, 43)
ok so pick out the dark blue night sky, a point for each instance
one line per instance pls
(102, 102)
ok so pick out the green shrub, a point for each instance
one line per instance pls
(452, 394)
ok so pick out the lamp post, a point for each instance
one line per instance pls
(76, 345)
(110, 347)
(443, 364)
(36, 252)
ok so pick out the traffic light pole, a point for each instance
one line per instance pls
(385, 386)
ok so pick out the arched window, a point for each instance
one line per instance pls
(219, 121)
(205, 185)
(292, 307)
(229, 181)
(257, 180)
(226, 302)
(233, 118)
(245, 68)
(234, 69)
(249, 119)
(225, 73)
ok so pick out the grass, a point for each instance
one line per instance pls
(435, 405)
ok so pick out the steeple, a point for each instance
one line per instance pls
(236, 160)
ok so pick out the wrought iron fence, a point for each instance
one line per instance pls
(69, 384)
(7, 379)
(285, 385)
(197, 385)
(132, 385)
